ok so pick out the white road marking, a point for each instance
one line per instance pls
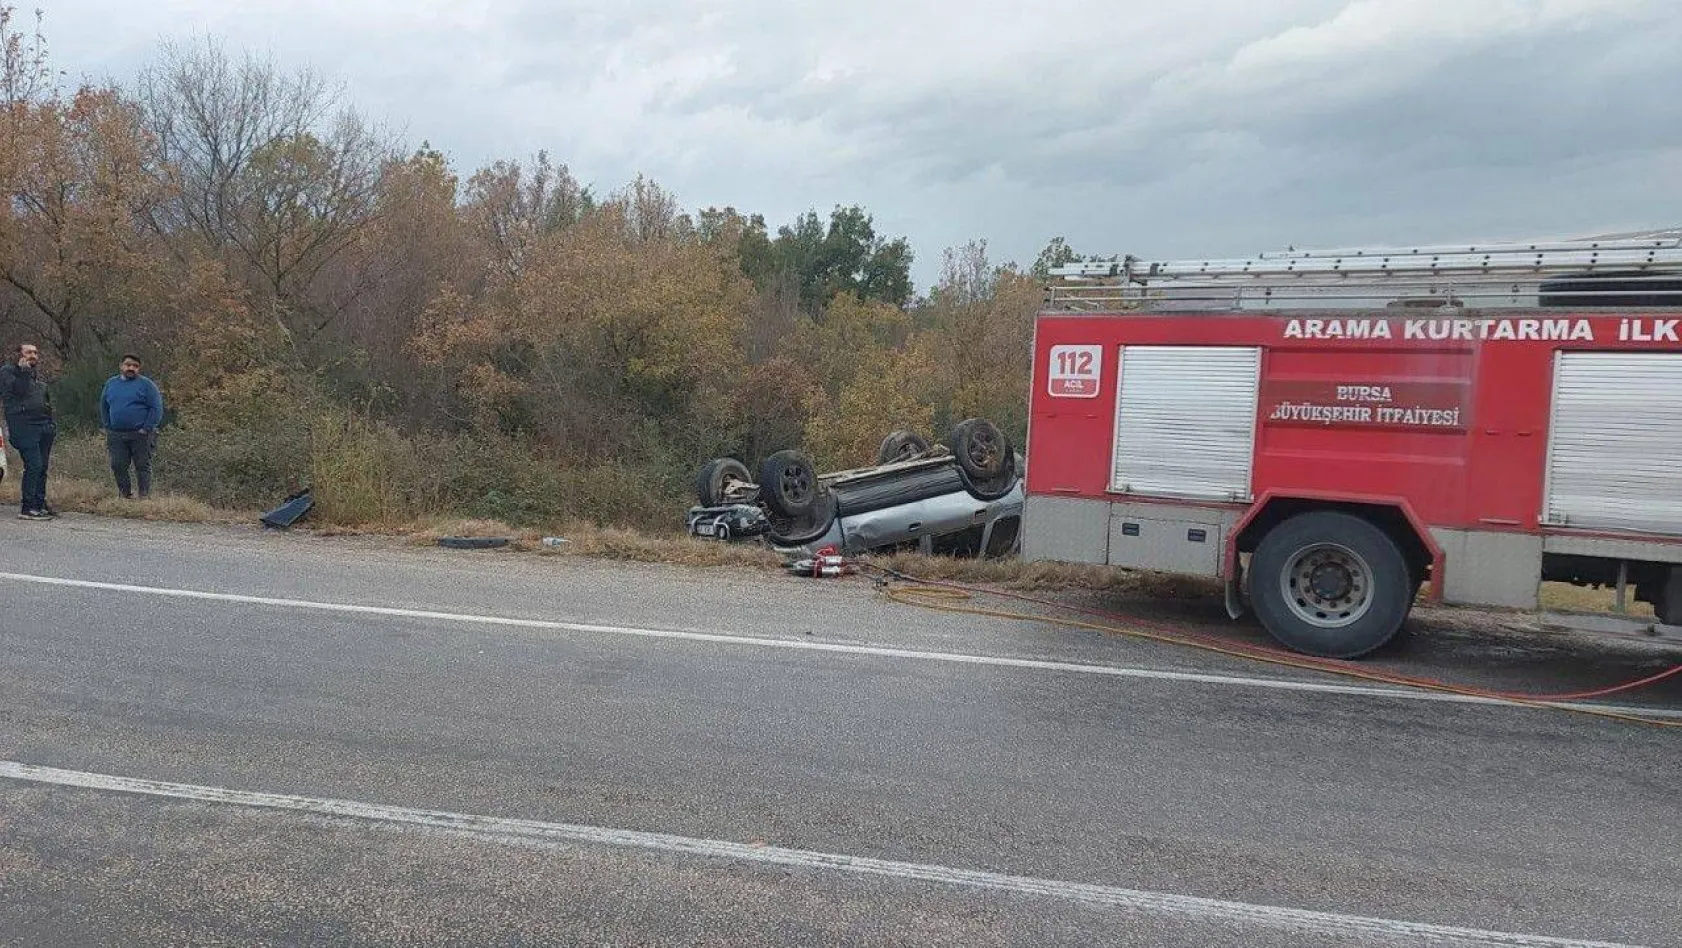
(498, 829)
(1084, 668)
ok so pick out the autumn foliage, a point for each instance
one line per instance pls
(324, 305)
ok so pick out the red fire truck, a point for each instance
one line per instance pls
(1334, 433)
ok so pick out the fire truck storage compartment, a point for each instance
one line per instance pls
(1615, 445)
(1189, 540)
(1185, 424)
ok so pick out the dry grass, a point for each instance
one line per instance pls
(1568, 598)
(429, 532)
(610, 543)
(77, 495)
(424, 531)
(614, 543)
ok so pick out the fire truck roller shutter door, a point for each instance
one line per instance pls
(1615, 443)
(1185, 423)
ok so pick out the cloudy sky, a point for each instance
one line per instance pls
(1163, 129)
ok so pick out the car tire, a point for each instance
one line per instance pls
(901, 445)
(984, 457)
(981, 449)
(709, 482)
(1359, 605)
(788, 484)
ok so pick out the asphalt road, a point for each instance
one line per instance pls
(487, 748)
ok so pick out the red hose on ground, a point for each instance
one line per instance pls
(1281, 656)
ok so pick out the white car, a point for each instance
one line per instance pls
(960, 498)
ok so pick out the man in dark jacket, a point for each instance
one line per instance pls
(130, 410)
(29, 421)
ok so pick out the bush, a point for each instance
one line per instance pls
(364, 472)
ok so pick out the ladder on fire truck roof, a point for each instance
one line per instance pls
(1625, 270)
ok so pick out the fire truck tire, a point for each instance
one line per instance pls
(709, 482)
(788, 484)
(1331, 585)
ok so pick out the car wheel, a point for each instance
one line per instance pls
(900, 446)
(788, 484)
(984, 458)
(715, 475)
(980, 448)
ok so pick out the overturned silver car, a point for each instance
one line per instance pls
(962, 497)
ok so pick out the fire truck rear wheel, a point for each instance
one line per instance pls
(1330, 584)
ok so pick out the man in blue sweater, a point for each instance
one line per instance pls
(130, 410)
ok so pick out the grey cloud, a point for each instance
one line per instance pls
(1218, 126)
(1532, 100)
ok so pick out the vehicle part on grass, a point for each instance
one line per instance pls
(474, 543)
(728, 523)
(946, 596)
(826, 561)
(290, 511)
